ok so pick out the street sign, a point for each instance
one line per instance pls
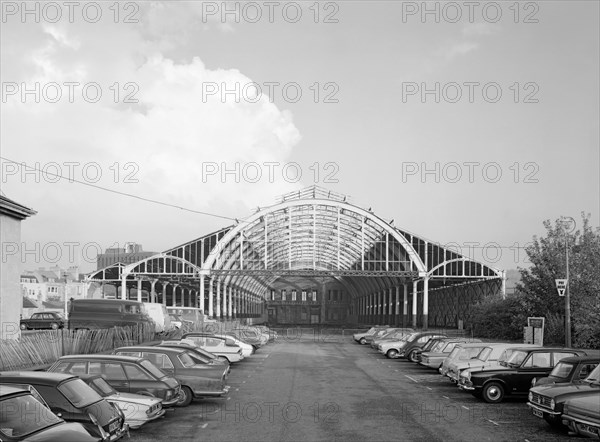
(561, 286)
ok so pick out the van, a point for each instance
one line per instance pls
(105, 313)
(159, 314)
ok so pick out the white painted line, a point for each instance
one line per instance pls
(466, 408)
(495, 423)
(237, 389)
(249, 375)
(243, 382)
(429, 388)
(205, 425)
(396, 371)
(445, 397)
(412, 379)
(228, 398)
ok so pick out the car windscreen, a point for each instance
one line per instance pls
(437, 348)
(594, 376)
(411, 337)
(562, 370)
(102, 387)
(79, 393)
(516, 358)
(153, 369)
(23, 415)
(455, 351)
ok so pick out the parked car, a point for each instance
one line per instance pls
(462, 353)
(223, 348)
(437, 355)
(489, 355)
(582, 416)
(43, 320)
(432, 342)
(247, 349)
(569, 370)
(72, 400)
(514, 376)
(138, 409)
(106, 313)
(547, 401)
(196, 380)
(361, 337)
(159, 314)
(201, 354)
(24, 417)
(368, 339)
(409, 346)
(126, 374)
(391, 335)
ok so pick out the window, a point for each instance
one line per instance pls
(78, 368)
(113, 371)
(304, 295)
(586, 369)
(283, 295)
(560, 356)
(314, 296)
(538, 360)
(135, 373)
(272, 295)
(293, 295)
(158, 359)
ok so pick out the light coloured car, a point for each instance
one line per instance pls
(361, 338)
(138, 409)
(224, 348)
(490, 354)
(394, 334)
(437, 355)
(247, 349)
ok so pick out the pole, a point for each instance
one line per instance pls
(567, 300)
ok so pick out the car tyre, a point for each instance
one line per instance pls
(54, 326)
(23, 327)
(223, 358)
(185, 397)
(493, 392)
(362, 341)
(392, 353)
(412, 356)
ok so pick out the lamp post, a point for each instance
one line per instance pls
(567, 223)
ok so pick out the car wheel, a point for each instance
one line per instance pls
(223, 358)
(185, 397)
(54, 326)
(362, 341)
(493, 392)
(23, 327)
(392, 353)
(412, 356)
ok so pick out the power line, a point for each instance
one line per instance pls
(129, 195)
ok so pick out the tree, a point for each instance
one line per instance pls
(548, 262)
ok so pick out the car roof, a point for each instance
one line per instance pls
(7, 389)
(35, 377)
(102, 357)
(163, 349)
(581, 359)
(532, 349)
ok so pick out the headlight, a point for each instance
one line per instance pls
(552, 404)
(533, 382)
(169, 394)
(530, 396)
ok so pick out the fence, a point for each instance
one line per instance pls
(44, 347)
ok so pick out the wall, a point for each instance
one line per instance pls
(10, 280)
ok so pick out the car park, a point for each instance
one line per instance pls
(569, 370)
(490, 354)
(73, 400)
(514, 376)
(25, 417)
(409, 346)
(125, 374)
(547, 401)
(223, 348)
(43, 320)
(361, 337)
(582, 416)
(196, 380)
(138, 409)
(437, 355)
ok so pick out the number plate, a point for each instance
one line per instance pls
(538, 413)
(589, 429)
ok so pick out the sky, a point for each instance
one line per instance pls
(467, 125)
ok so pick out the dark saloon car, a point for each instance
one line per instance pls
(569, 370)
(513, 377)
(582, 416)
(547, 401)
(25, 418)
(43, 320)
(125, 373)
(197, 380)
(73, 400)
